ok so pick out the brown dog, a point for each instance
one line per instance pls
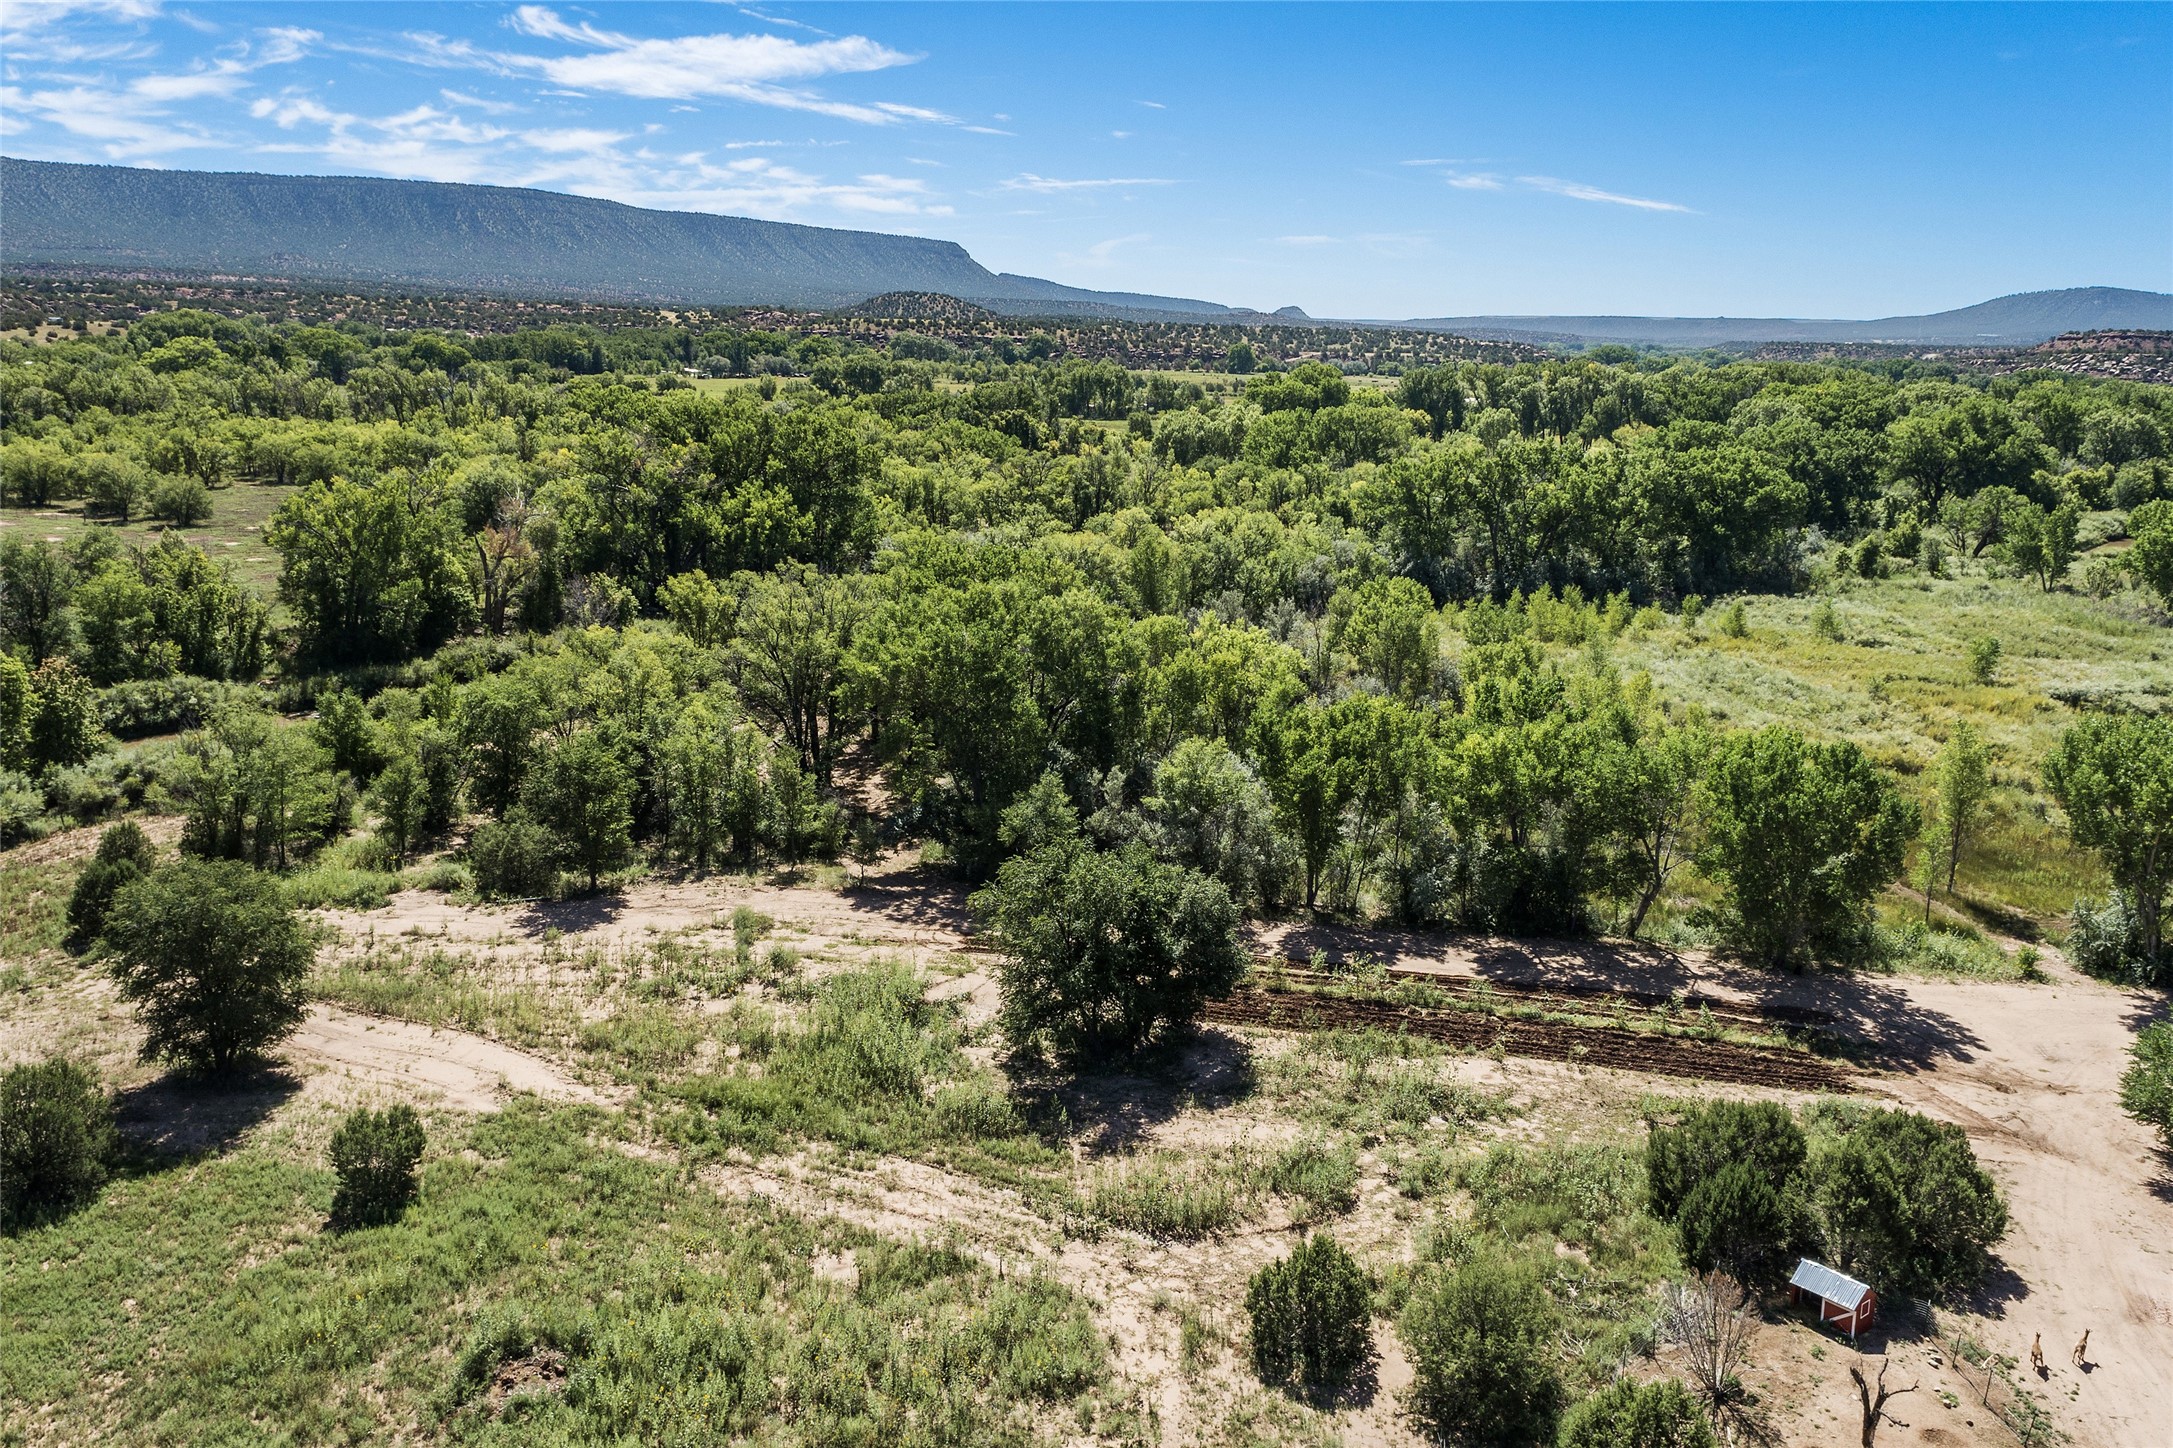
(2082, 1349)
(2037, 1355)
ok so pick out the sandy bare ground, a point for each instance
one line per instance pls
(2029, 1071)
(443, 1067)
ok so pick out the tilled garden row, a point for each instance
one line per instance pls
(1616, 1047)
(1573, 997)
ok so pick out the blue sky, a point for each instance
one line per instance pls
(1355, 160)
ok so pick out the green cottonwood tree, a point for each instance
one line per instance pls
(2113, 774)
(213, 957)
(584, 793)
(1803, 835)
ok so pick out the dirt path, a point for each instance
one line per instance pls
(449, 1068)
(2091, 1245)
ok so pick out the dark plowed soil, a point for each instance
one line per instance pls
(1612, 1046)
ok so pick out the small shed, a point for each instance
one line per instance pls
(1842, 1300)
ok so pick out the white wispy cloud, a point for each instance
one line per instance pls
(118, 125)
(1103, 253)
(1307, 240)
(752, 68)
(1578, 191)
(478, 103)
(1473, 180)
(1028, 181)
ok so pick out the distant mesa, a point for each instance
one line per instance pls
(2021, 320)
(498, 239)
(512, 241)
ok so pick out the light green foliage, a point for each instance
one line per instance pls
(63, 716)
(1214, 817)
(2150, 557)
(681, 1316)
(1802, 835)
(2146, 1087)
(583, 792)
(212, 956)
(1984, 657)
(1630, 1414)
(256, 789)
(1478, 1336)
(2113, 774)
(1962, 779)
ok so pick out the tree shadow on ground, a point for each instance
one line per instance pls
(178, 1114)
(2001, 1289)
(1113, 1110)
(571, 916)
(919, 896)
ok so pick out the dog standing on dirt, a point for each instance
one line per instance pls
(2082, 1349)
(2037, 1355)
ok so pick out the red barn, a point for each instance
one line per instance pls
(1842, 1300)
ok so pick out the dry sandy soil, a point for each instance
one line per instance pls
(2030, 1071)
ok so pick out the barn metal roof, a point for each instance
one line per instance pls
(1820, 1280)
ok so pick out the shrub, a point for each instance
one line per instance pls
(374, 1153)
(183, 502)
(976, 1111)
(1627, 1414)
(1325, 1181)
(1103, 950)
(213, 956)
(124, 854)
(1900, 1200)
(2146, 1088)
(1734, 621)
(1984, 660)
(56, 1140)
(1478, 1340)
(514, 860)
(2106, 940)
(140, 707)
(1757, 1134)
(1735, 1221)
(1309, 1317)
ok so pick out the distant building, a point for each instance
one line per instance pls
(1842, 1300)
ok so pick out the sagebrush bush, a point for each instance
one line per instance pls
(514, 860)
(1629, 1414)
(1310, 1315)
(374, 1153)
(56, 1140)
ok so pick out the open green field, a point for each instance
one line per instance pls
(234, 532)
(1898, 680)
